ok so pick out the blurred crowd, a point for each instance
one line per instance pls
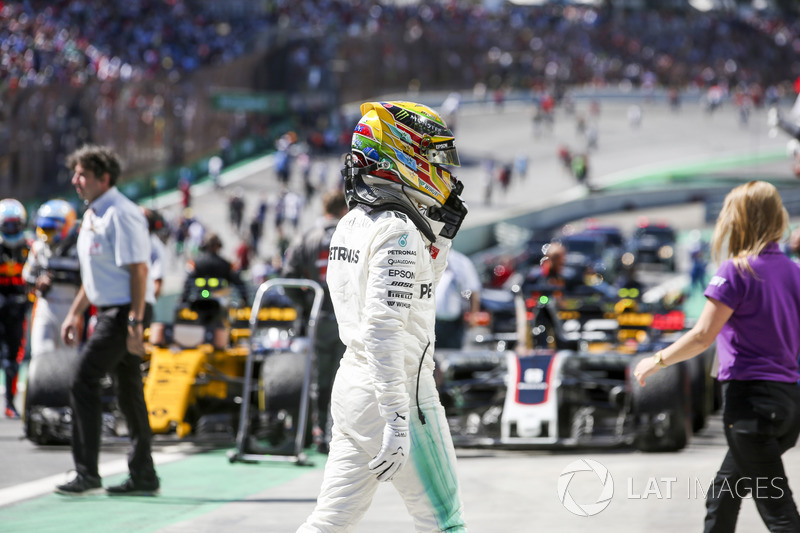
(68, 42)
(141, 76)
(62, 41)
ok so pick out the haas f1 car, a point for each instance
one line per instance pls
(546, 386)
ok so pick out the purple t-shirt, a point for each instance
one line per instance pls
(761, 340)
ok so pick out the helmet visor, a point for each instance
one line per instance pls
(49, 223)
(48, 235)
(11, 226)
(443, 152)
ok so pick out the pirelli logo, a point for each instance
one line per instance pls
(399, 294)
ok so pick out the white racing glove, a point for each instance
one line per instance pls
(394, 449)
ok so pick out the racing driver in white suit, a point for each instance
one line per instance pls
(385, 259)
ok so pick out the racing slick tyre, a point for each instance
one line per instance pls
(47, 397)
(702, 399)
(662, 409)
(281, 377)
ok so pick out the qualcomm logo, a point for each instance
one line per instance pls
(588, 509)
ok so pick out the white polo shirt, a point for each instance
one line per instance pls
(113, 235)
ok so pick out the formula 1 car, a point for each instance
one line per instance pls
(653, 245)
(202, 368)
(196, 374)
(548, 386)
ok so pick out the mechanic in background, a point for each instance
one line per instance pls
(53, 273)
(210, 265)
(794, 246)
(307, 258)
(753, 310)
(14, 249)
(458, 300)
(554, 264)
(158, 252)
(113, 250)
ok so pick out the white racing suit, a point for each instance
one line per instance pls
(382, 276)
(51, 309)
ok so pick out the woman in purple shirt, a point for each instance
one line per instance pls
(753, 310)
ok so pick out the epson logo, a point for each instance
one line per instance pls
(406, 274)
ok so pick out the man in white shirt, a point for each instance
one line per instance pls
(458, 291)
(114, 251)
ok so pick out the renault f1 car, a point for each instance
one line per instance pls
(195, 374)
(215, 358)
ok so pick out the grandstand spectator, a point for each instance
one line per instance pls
(236, 209)
(185, 186)
(214, 170)
(244, 255)
(133, 58)
(256, 230)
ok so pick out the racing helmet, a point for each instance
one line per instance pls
(13, 218)
(408, 145)
(54, 220)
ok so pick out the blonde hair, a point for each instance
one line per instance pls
(752, 217)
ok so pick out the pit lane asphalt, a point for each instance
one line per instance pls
(503, 491)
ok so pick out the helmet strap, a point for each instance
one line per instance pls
(357, 191)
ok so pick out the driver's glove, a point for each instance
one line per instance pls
(394, 449)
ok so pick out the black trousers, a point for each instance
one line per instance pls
(105, 353)
(450, 333)
(12, 331)
(762, 421)
(329, 350)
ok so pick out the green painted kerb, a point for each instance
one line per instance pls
(189, 488)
